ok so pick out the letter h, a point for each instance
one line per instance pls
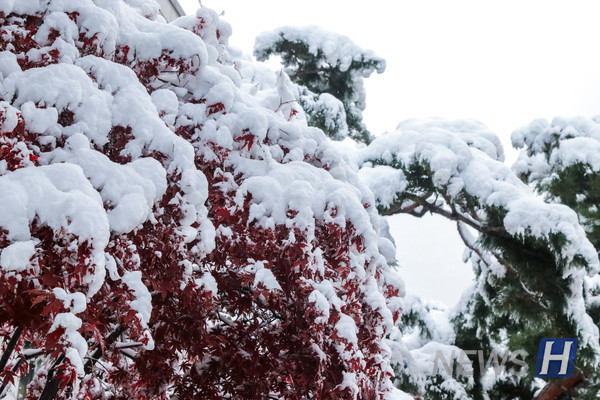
(552, 363)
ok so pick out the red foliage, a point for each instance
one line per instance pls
(15, 145)
(215, 108)
(246, 341)
(247, 138)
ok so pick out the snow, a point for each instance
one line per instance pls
(39, 120)
(310, 191)
(338, 49)
(167, 104)
(55, 194)
(208, 282)
(284, 172)
(8, 64)
(17, 256)
(132, 189)
(425, 362)
(10, 115)
(59, 22)
(264, 276)
(328, 107)
(346, 328)
(349, 383)
(321, 304)
(71, 194)
(384, 180)
(74, 302)
(548, 148)
(60, 197)
(71, 324)
(398, 394)
(465, 158)
(465, 161)
(568, 141)
(142, 302)
(59, 87)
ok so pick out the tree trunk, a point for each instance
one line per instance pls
(555, 388)
(52, 384)
(10, 347)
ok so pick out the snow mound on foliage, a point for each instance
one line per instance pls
(464, 157)
(555, 145)
(338, 49)
(118, 126)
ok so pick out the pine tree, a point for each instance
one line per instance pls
(560, 160)
(531, 258)
(329, 69)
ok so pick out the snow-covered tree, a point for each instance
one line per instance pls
(173, 225)
(169, 228)
(329, 69)
(560, 159)
(531, 258)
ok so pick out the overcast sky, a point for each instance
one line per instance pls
(503, 63)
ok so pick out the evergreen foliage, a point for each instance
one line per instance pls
(321, 63)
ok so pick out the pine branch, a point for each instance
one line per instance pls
(302, 71)
(530, 294)
(421, 201)
(397, 208)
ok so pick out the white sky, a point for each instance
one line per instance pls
(504, 63)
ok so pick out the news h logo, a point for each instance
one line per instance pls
(556, 358)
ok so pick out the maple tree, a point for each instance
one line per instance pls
(144, 254)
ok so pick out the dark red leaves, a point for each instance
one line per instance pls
(118, 138)
(73, 15)
(52, 308)
(247, 138)
(54, 54)
(14, 146)
(125, 49)
(246, 339)
(90, 45)
(215, 108)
